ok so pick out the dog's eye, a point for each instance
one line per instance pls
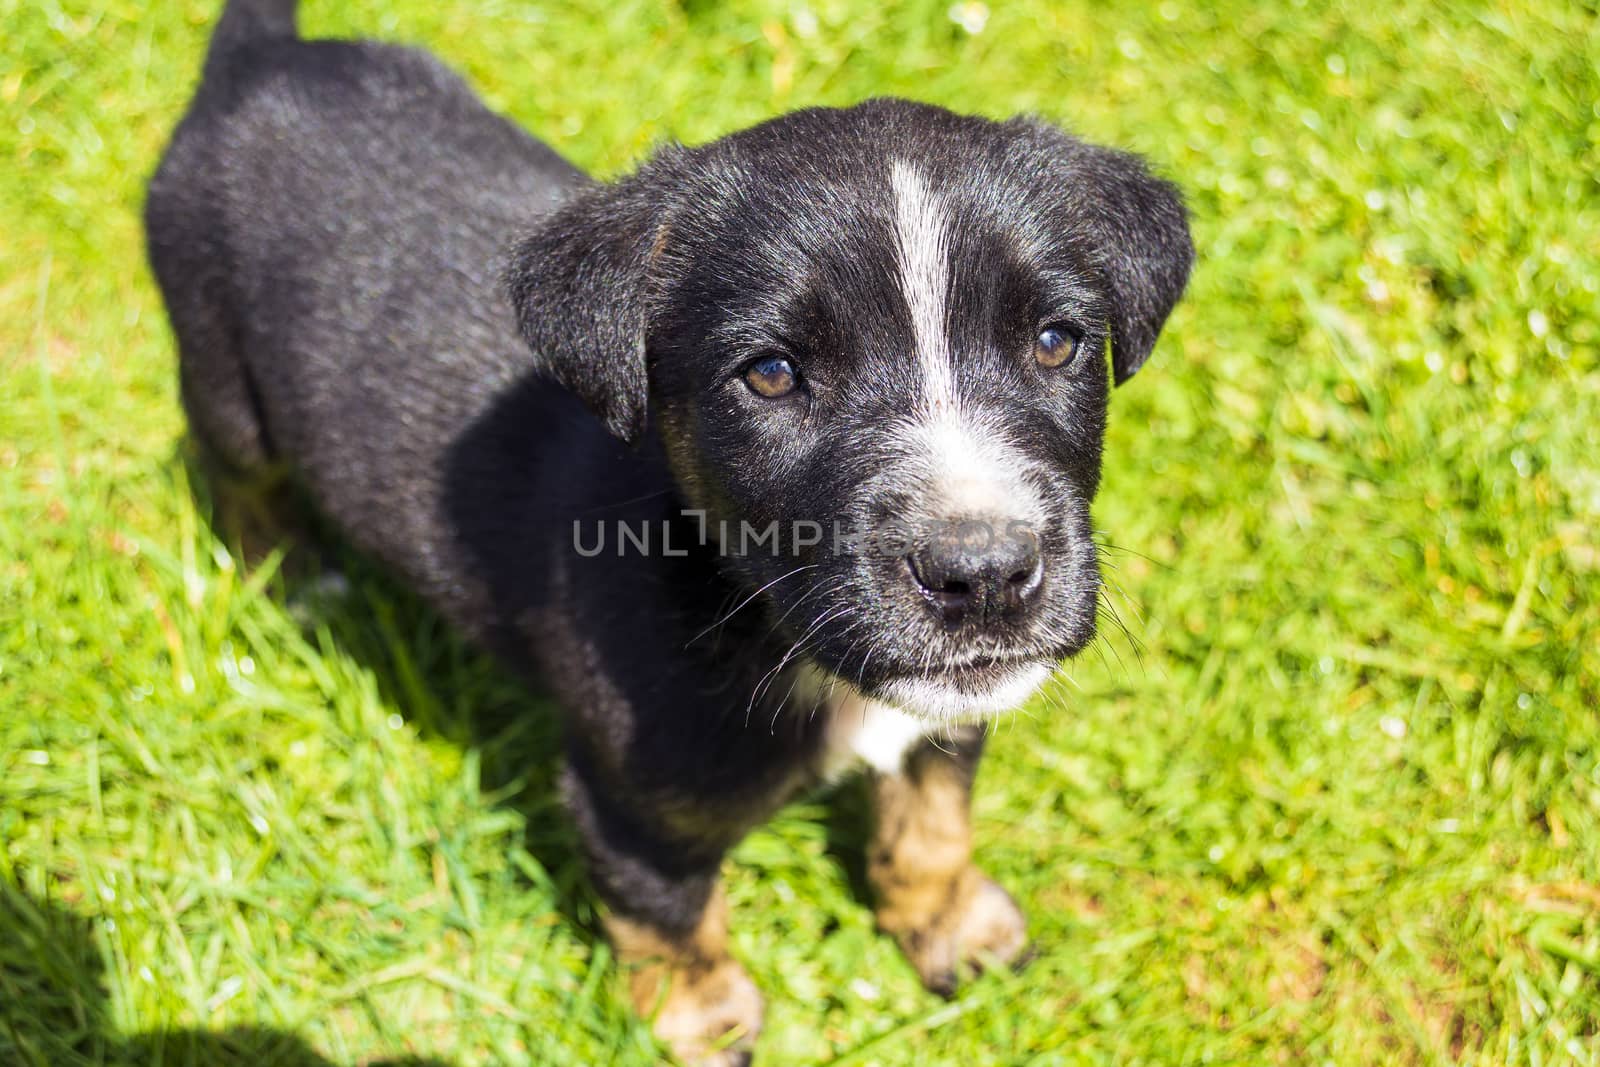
(771, 377)
(1056, 345)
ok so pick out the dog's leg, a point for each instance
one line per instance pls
(696, 995)
(943, 910)
(668, 923)
(256, 512)
(249, 512)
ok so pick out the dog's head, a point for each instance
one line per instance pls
(872, 342)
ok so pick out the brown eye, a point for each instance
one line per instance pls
(771, 377)
(1055, 346)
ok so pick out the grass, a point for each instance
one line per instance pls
(1336, 800)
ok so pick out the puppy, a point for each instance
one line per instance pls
(772, 458)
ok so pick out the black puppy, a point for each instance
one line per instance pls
(773, 457)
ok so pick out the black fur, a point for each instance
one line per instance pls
(357, 258)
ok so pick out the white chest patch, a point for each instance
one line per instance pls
(869, 733)
(882, 736)
(860, 730)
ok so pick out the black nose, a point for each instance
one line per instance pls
(978, 573)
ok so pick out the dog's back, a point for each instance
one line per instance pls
(326, 228)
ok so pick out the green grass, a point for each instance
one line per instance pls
(1341, 804)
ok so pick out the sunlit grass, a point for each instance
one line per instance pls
(1336, 798)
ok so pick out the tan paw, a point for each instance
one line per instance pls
(981, 926)
(709, 1014)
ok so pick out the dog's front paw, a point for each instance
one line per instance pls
(977, 925)
(709, 1014)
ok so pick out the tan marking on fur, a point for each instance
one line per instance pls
(658, 246)
(944, 912)
(694, 993)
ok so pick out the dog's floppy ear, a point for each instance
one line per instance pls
(1140, 231)
(580, 286)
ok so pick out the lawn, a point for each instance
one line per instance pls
(1331, 794)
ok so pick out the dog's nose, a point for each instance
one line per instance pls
(976, 573)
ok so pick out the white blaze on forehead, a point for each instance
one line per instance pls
(922, 250)
(971, 471)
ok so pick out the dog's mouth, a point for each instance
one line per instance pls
(973, 690)
(978, 671)
(967, 689)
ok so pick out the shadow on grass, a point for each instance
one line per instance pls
(847, 815)
(443, 685)
(54, 1010)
